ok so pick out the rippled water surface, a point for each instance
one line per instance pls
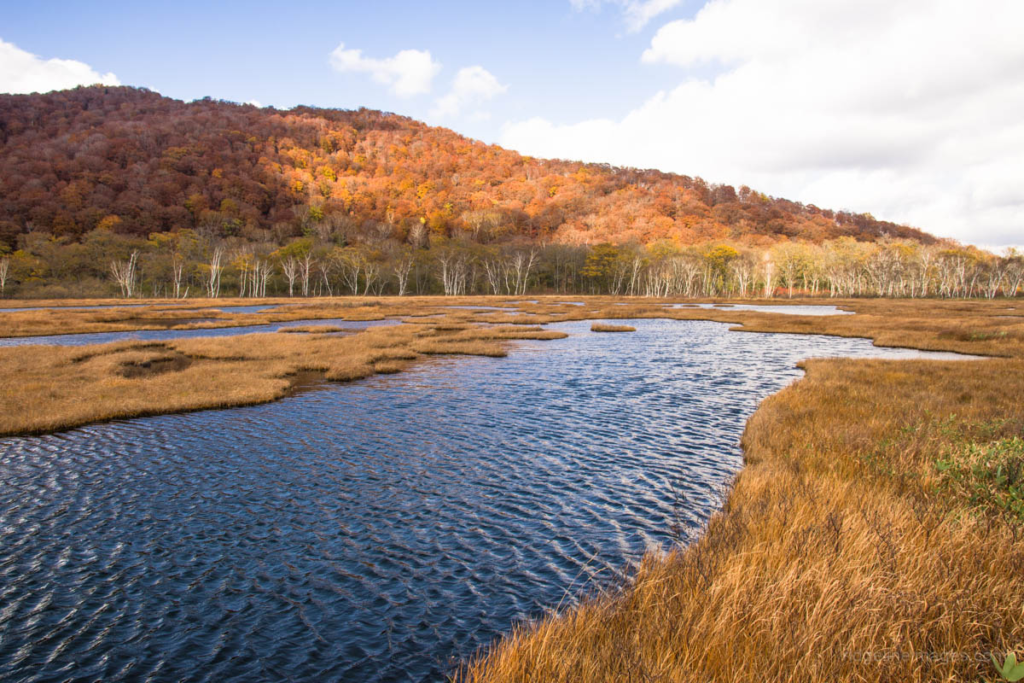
(795, 309)
(372, 531)
(230, 308)
(168, 335)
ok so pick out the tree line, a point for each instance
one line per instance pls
(122, 191)
(187, 264)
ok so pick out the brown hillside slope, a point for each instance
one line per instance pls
(136, 162)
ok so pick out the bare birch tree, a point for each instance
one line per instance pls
(742, 270)
(351, 264)
(768, 271)
(290, 268)
(177, 277)
(522, 263)
(454, 271)
(255, 271)
(125, 274)
(213, 276)
(401, 268)
(325, 267)
(5, 269)
(305, 266)
(371, 273)
(493, 272)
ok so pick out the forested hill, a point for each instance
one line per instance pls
(137, 163)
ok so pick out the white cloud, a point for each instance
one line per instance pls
(255, 103)
(473, 86)
(637, 13)
(408, 73)
(24, 72)
(910, 109)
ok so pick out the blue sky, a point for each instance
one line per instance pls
(562, 63)
(912, 110)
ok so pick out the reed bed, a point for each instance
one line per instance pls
(604, 327)
(876, 532)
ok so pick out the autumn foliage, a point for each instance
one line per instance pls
(135, 163)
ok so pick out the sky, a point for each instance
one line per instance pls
(912, 110)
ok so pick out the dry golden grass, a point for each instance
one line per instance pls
(194, 313)
(49, 388)
(843, 552)
(951, 325)
(38, 374)
(73, 321)
(604, 327)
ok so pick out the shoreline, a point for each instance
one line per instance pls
(840, 551)
(54, 388)
(842, 459)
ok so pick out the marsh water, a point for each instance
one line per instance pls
(83, 339)
(786, 309)
(86, 338)
(378, 530)
(231, 308)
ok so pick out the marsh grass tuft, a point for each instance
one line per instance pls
(604, 327)
(150, 364)
(50, 388)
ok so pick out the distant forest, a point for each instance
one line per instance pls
(98, 181)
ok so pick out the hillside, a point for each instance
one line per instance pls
(138, 163)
